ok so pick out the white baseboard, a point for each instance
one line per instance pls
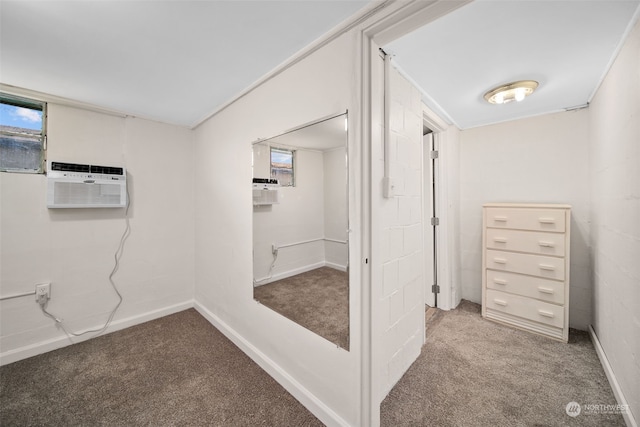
(304, 396)
(300, 270)
(613, 381)
(31, 350)
(335, 266)
(290, 273)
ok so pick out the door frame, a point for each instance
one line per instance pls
(429, 210)
(446, 140)
(393, 20)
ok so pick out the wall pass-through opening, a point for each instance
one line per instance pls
(431, 220)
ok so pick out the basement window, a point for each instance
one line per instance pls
(22, 134)
(282, 166)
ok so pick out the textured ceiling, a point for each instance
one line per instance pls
(179, 61)
(172, 61)
(567, 46)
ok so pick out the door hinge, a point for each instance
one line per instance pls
(433, 154)
(435, 289)
(435, 221)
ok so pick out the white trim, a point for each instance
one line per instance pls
(433, 120)
(299, 270)
(445, 254)
(409, 16)
(289, 273)
(364, 216)
(613, 381)
(342, 28)
(614, 56)
(387, 182)
(297, 390)
(328, 239)
(430, 105)
(45, 97)
(427, 211)
(335, 266)
(397, 19)
(67, 102)
(525, 116)
(444, 264)
(31, 350)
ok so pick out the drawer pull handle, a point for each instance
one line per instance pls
(545, 313)
(500, 218)
(544, 220)
(546, 267)
(546, 244)
(499, 281)
(500, 260)
(500, 302)
(500, 240)
(545, 290)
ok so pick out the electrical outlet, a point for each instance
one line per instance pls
(43, 292)
(274, 249)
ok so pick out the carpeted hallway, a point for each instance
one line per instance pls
(473, 372)
(179, 370)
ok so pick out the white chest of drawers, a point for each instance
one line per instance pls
(525, 266)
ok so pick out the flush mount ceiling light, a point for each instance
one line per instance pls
(515, 91)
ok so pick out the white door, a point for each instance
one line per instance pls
(428, 197)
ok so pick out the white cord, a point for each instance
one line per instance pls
(116, 256)
(275, 257)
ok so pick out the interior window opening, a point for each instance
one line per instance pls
(22, 134)
(282, 166)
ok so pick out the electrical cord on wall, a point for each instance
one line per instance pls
(42, 300)
(273, 263)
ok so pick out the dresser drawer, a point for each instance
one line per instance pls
(528, 308)
(534, 287)
(526, 219)
(534, 265)
(536, 242)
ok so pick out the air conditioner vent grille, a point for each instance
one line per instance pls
(106, 170)
(74, 167)
(70, 167)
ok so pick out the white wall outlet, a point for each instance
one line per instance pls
(43, 292)
(274, 248)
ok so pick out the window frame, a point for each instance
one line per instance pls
(293, 163)
(32, 104)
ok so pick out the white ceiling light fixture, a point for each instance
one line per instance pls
(515, 91)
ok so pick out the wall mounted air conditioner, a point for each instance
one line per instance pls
(71, 185)
(265, 191)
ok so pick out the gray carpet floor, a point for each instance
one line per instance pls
(473, 372)
(180, 370)
(317, 300)
(175, 371)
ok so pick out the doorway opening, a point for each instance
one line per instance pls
(431, 221)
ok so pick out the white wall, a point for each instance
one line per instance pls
(325, 378)
(335, 207)
(398, 275)
(543, 159)
(614, 134)
(73, 248)
(298, 217)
